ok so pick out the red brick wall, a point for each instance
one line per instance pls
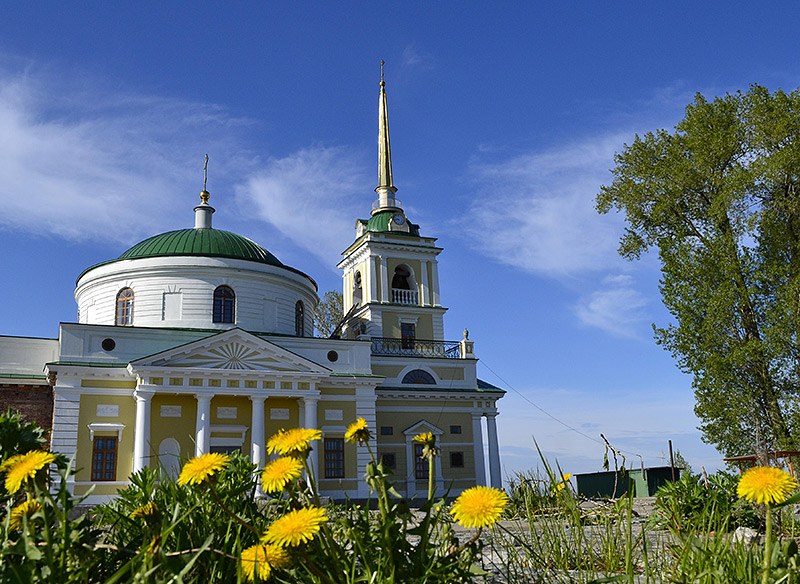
(34, 402)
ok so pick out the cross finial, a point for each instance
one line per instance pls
(204, 196)
(205, 173)
(382, 83)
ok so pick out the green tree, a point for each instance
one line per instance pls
(681, 463)
(329, 313)
(718, 198)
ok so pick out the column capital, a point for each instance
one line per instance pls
(143, 394)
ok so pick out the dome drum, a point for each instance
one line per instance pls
(179, 291)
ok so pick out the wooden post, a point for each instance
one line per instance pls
(671, 461)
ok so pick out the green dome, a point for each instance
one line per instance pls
(201, 242)
(380, 222)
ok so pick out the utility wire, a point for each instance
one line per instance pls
(548, 414)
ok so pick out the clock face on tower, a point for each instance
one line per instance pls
(398, 218)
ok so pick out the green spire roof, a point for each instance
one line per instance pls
(201, 242)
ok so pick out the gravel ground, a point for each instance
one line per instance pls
(495, 557)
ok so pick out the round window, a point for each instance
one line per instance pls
(108, 344)
(333, 356)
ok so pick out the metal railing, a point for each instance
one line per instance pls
(416, 347)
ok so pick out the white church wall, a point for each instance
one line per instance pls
(265, 295)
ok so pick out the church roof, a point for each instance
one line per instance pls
(201, 242)
(380, 223)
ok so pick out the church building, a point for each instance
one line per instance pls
(200, 340)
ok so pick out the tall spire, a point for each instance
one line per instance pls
(385, 188)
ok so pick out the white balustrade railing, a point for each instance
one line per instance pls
(405, 296)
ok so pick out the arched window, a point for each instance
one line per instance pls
(124, 307)
(401, 279)
(224, 304)
(299, 319)
(357, 289)
(419, 376)
(404, 286)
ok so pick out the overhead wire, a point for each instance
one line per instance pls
(551, 416)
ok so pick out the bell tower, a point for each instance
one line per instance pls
(390, 272)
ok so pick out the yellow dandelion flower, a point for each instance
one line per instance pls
(280, 472)
(145, 511)
(562, 484)
(295, 527)
(357, 432)
(10, 461)
(479, 506)
(25, 466)
(200, 468)
(294, 441)
(766, 484)
(425, 438)
(262, 559)
(25, 509)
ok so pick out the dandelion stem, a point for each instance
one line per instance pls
(767, 546)
(430, 477)
(230, 513)
(465, 546)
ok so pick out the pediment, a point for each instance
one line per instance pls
(235, 350)
(421, 427)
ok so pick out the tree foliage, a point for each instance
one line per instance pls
(329, 313)
(719, 199)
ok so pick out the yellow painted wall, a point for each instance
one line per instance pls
(88, 415)
(337, 391)
(338, 484)
(348, 412)
(448, 442)
(244, 416)
(458, 473)
(387, 370)
(391, 325)
(348, 417)
(415, 265)
(100, 488)
(449, 373)
(181, 429)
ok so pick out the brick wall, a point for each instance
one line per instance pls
(34, 402)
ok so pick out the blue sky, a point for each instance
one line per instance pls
(504, 120)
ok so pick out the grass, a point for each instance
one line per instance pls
(199, 533)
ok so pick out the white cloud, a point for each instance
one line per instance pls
(536, 211)
(85, 163)
(616, 307)
(311, 196)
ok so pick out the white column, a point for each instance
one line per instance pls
(373, 280)
(437, 468)
(203, 424)
(257, 447)
(424, 301)
(310, 407)
(141, 435)
(435, 282)
(477, 439)
(411, 478)
(494, 451)
(386, 294)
